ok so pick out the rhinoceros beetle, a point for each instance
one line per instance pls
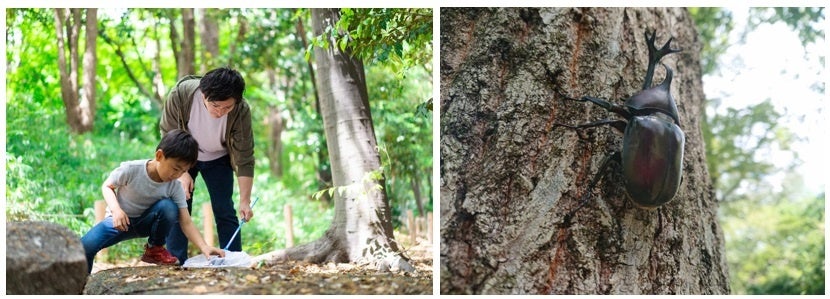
(652, 151)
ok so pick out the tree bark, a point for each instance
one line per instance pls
(361, 231)
(275, 124)
(240, 38)
(74, 29)
(90, 66)
(159, 91)
(323, 168)
(509, 176)
(80, 113)
(415, 183)
(174, 38)
(188, 48)
(209, 32)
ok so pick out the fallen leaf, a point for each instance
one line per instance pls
(134, 278)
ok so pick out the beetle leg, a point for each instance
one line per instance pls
(616, 123)
(583, 200)
(654, 56)
(615, 108)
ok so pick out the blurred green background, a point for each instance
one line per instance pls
(765, 130)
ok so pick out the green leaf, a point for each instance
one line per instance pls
(343, 43)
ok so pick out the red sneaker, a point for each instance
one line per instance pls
(158, 255)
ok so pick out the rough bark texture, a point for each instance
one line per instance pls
(158, 81)
(174, 38)
(415, 183)
(209, 33)
(80, 112)
(361, 231)
(90, 66)
(188, 49)
(323, 168)
(509, 176)
(275, 125)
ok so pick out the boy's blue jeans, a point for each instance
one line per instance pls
(154, 223)
(218, 176)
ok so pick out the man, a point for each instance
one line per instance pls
(213, 110)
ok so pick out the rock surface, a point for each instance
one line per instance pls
(43, 258)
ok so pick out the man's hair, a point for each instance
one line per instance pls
(179, 144)
(222, 83)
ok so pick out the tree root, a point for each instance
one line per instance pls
(329, 249)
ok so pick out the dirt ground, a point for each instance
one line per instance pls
(293, 277)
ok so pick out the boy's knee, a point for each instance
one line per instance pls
(168, 209)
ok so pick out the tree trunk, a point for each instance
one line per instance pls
(323, 168)
(240, 38)
(159, 91)
(188, 49)
(80, 112)
(209, 32)
(361, 231)
(275, 123)
(74, 28)
(509, 176)
(415, 183)
(174, 38)
(90, 67)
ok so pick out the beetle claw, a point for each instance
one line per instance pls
(561, 94)
(575, 128)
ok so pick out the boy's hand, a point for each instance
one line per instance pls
(213, 251)
(120, 220)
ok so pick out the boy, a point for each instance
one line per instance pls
(145, 199)
(213, 110)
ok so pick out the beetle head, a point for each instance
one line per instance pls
(657, 99)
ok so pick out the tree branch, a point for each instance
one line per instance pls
(127, 68)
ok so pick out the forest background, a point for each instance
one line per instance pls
(61, 145)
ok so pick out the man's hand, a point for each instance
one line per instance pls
(187, 184)
(120, 220)
(245, 211)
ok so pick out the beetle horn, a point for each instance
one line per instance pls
(669, 76)
(654, 55)
(666, 86)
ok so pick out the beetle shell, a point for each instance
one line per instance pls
(652, 160)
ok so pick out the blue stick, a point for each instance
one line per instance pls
(241, 222)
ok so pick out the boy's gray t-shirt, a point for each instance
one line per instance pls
(137, 192)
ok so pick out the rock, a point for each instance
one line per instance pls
(43, 258)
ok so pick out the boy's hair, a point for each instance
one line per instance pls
(179, 144)
(222, 83)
